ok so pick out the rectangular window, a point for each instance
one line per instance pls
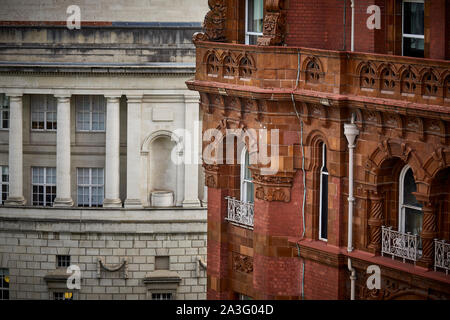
(247, 187)
(162, 296)
(254, 20)
(43, 112)
(63, 261)
(90, 187)
(413, 28)
(323, 205)
(4, 111)
(4, 284)
(62, 296)
(90, 112)
(4, 183)
(43, 185)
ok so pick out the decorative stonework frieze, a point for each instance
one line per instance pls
(114, 268)
(242, 263)
(272, 187)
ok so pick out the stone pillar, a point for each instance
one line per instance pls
(112, 157)
(191, 152)
(375, 222)
(429, 233)
(63, 164)
(134, 111)
(15, 197)
(218, 287)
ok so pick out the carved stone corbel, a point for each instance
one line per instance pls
(273, 187)
(211, 175)
(214, 23)
(274, 25)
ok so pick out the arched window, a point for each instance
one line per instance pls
(410, 215)
(323, 204)
(246, 178)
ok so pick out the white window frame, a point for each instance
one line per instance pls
(46, 110)
(45, 184)
(4, 107)
(250, 33)
(5, 273)
(244, 182)
(4, 184)
(407, 35)
(324, 150)
(90, 186)
(401, 205)
(91, 112)
(64, 293)
(161, 294)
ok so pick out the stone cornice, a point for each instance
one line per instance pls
(96, 70)
(316, 97)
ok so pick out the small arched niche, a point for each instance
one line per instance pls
(163, 172)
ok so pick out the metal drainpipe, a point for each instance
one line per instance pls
(350, 132)
(353, 26)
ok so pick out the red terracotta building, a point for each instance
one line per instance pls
(318, 72)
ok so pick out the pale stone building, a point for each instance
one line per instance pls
(90, 119)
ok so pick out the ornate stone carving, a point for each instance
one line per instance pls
(272, 187)
(388, 79)
(375, 221)
(430, 84)
(389, 290)
(313, 70)
(242, 263)
(429, 232)
(246, 66)
(409, 81)
(214, 23)
(211, 175)
(121, 266)
(274, 25)
(367, 76)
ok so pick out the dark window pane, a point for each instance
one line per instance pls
(255, 15)
(413, 221)
(409, 188)
(324, 202)
(413, 21)
(413, 47)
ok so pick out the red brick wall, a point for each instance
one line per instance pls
(438, 26)
(281, 218)
(321, 281)
(320, 24)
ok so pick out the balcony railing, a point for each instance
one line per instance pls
(441, 255)
(399, 244)
(240, 213)
(355, 75)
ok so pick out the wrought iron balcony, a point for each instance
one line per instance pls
(355, 76)
(240, 213)
(441, 255)
(399, 244)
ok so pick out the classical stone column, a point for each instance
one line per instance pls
(375, 222)
(63, 164)
(192, 147)
(133, 152)
(429, 232)
(15, 197)
(112, 158)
